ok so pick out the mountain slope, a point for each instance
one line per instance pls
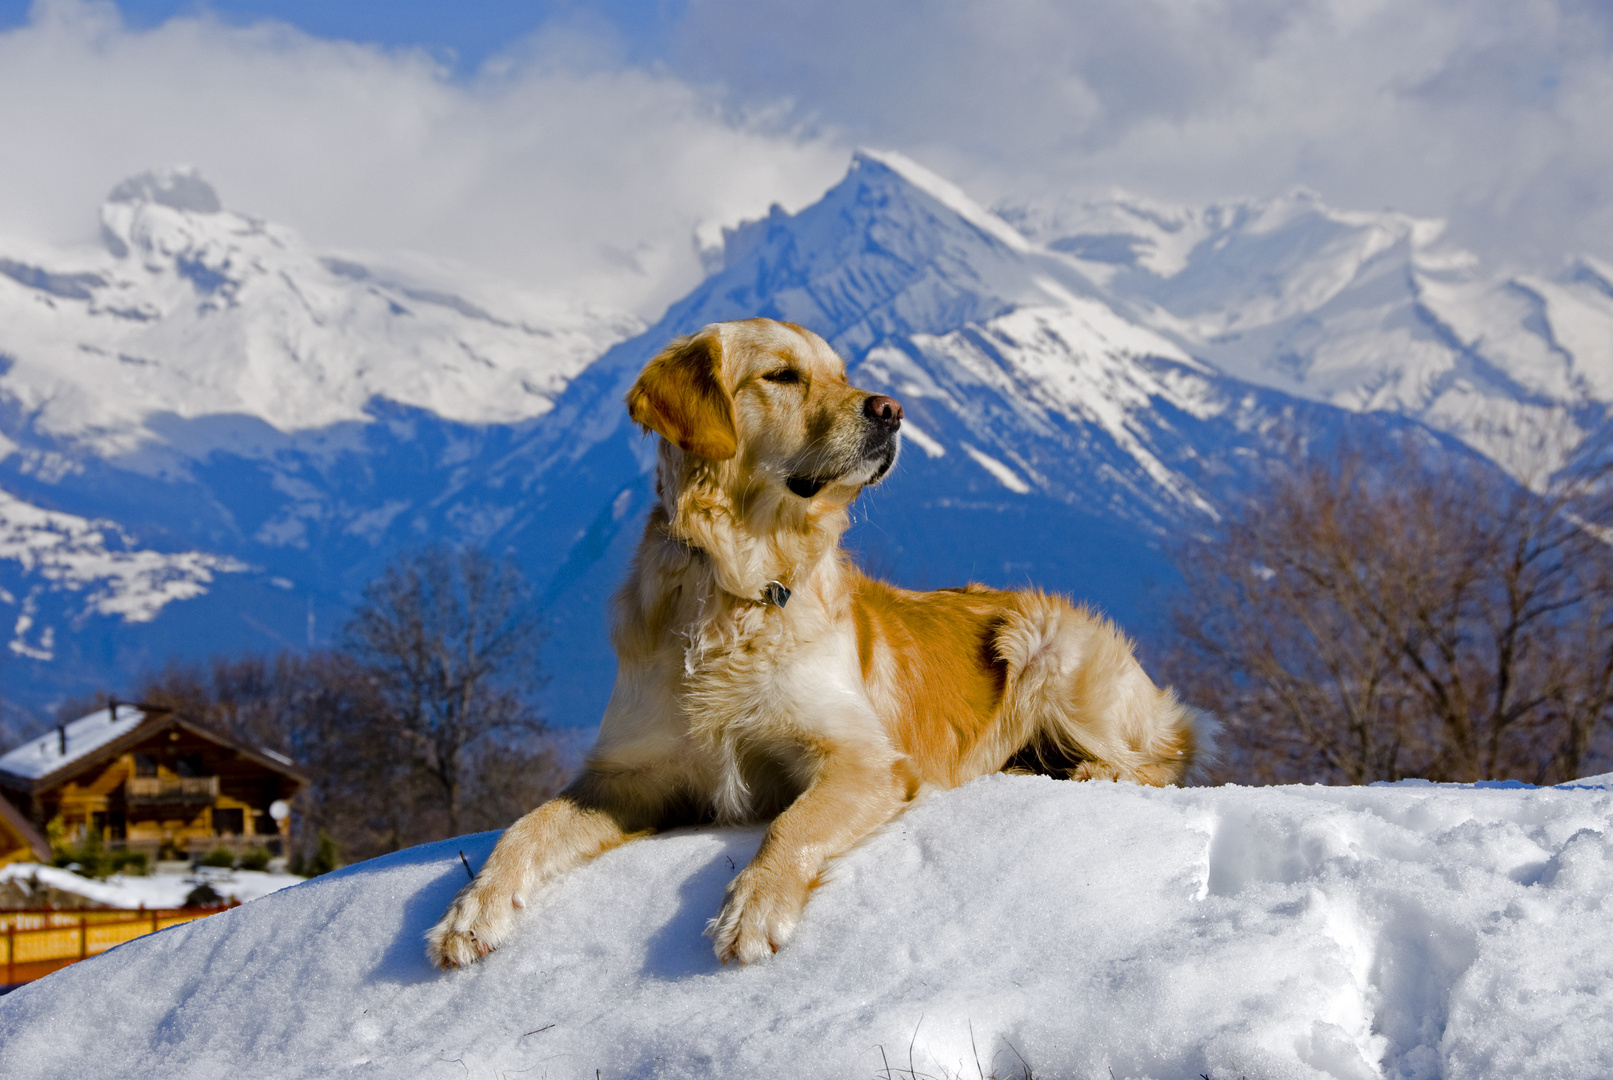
(1367, 311)
(59, 570)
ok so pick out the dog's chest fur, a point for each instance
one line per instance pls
(753, 681)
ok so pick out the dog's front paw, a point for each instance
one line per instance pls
(1095, 770)
(477, 922)
(759, 914)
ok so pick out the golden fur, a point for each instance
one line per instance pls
(826, 715)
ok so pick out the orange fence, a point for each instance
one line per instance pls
(35, 943)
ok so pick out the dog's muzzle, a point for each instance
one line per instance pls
(883, 419)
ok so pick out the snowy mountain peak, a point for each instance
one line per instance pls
(891, 249)
(942, 191)
(163, 212)
(200, 311)
(181, 188)
(1371, 311)
(173, 220)
(1260, 240)
(883, 187)
(1018, 377)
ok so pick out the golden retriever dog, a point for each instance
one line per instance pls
(762, 677)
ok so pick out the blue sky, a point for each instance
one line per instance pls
(463, 33)
(588, 149)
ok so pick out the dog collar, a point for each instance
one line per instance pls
(774, 593)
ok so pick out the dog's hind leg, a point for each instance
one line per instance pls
(1075, 682)
(600, 810)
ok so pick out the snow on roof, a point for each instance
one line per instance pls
(43, 755)
(1414, 930)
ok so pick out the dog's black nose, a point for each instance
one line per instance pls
(887, 410)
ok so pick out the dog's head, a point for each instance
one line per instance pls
(762, 409)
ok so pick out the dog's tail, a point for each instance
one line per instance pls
(1077, 697)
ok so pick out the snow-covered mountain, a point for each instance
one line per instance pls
(222, 392)
(204, 394)
(1367, 311)
(190, 310)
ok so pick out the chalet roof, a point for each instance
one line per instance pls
(40, 762)
(44, 755)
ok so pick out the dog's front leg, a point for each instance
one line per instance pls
(854, 793)
(597, 812)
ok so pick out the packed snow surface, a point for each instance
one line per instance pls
(1398, 931)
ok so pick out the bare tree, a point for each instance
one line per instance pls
(1414, 613)
(321, 711)
(423, 728)
(449, 640)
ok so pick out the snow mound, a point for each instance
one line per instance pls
(1401, 931)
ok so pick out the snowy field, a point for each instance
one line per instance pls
(153, 890)
(1398, 931)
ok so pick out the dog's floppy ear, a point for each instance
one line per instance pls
(680, 396)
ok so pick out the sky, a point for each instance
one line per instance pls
(583, 148)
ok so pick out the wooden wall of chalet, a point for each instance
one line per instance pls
(179, 753)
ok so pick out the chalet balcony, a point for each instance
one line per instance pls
(162, 791)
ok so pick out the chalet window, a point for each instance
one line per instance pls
(228, 821)
(145, 765)
(264, 825)
(189, 765)
(108, 825)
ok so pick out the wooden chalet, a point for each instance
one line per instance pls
(19, 840)
(145, 778)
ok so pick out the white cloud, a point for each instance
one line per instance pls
(564, 166)
(1494, 113)
(555, 168)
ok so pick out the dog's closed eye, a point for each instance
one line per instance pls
(783, 375)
